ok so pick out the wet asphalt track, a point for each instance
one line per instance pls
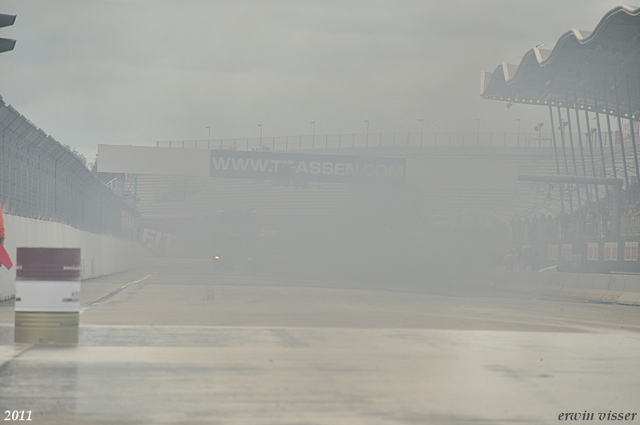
(177, 342)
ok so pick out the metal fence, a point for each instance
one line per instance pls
(362, 140)
(41, 179)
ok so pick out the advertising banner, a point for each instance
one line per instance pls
(48, 280)
(611, 251)
(552, 252)
(592, 251)
(294, 167)
(631, 251)
(566, 251)
(47, 304)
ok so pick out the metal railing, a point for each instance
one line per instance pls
(41, 179)
(630, 226)
(372, 140)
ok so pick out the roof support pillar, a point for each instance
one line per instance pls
(633, 138)
(624, 157)
(555, 150)
(599, 129)
(616, 210)
(573, 151)
(604, 163)
(590, 141)
(564, 156)
(584, 165)
(610, 133)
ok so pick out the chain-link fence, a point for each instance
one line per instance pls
(41, 179)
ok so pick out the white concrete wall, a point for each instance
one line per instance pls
(611, 288)
(100, 255)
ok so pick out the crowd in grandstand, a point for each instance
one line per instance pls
(522, 259)
(592, 219)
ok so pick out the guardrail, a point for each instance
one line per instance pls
(363, 140)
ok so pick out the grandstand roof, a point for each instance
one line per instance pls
(583, 69)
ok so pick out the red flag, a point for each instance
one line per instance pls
(5, 260)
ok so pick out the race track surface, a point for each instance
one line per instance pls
(179, 342)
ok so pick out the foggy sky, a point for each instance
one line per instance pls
(139, 71)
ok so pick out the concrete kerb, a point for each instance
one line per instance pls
(614, 287)
(621, 289)
(569, 284)
(587, 287)
(616, 283)
(529, 282)
(502, 280)
(591, 286)
(631, 293)
(548, 283)
(507, 281)
(629, 298)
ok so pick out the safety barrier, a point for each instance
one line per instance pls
(101, 254)
(609, 288)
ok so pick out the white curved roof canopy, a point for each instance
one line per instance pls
(582, 71)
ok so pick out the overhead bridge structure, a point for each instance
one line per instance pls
(311, 208)
(439, 182)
